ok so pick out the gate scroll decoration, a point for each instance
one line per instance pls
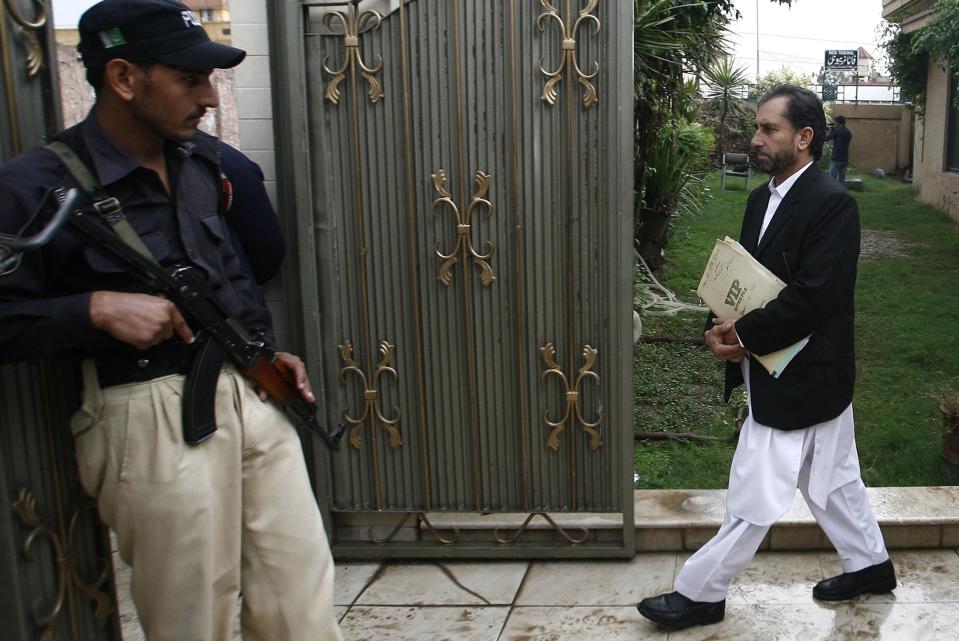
(34, 60)
(353, 25)
(573, 409)
(371, 403)
(66, 559)
(464, 227)
(568, 28)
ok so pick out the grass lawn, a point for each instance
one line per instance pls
(906, 313)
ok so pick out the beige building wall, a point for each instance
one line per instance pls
(881, 136)
(937, 186)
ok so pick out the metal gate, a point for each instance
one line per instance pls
(461, 173)
(55, 571)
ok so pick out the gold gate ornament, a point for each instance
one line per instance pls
(463, 228)
(66, 558)
(371, 401)
(34, 59)
(353, 25)
(568, 55)
(573, 408)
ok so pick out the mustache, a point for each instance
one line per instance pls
(199, 113)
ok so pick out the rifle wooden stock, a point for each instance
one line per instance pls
(279, 382)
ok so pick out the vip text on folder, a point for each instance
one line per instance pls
(734, 284)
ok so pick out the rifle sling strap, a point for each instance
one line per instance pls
(107, 207)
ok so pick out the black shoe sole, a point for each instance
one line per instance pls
(691, 621)
(883, 587)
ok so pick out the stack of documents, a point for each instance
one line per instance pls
(734, 284)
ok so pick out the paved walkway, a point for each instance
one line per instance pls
(595, 600)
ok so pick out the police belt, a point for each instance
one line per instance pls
(172, 357)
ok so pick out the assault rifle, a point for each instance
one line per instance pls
(219, 337)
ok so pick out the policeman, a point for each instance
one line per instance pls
(198, 524)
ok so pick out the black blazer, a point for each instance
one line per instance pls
(812, 244)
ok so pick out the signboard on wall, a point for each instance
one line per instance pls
(841, 59)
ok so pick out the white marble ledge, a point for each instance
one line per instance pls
(938, 505)
(514, 520)
(661, 509)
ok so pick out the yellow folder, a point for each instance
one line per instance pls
(733, 284)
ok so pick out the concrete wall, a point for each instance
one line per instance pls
(881, 136)
(937, 186)
(254, 110)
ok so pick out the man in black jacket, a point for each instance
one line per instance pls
(198, 524)
(799, 433)
(841, 137)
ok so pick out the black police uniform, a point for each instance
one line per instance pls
(196, 524)
(44, 302)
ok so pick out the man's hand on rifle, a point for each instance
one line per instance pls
(141, 320)
(294, 365)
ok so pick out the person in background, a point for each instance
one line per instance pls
(840, 136)
(800, 433)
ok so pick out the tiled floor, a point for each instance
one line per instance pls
(594, 600)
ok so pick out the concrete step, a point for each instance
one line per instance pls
(910, 517)
(677, 520)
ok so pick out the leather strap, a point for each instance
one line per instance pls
(110, 211)
(107, 207)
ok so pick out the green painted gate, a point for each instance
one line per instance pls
(461, 177)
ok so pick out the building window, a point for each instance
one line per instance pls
(206, 15)
(952, 119)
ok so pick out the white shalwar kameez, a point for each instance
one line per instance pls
(768, 466)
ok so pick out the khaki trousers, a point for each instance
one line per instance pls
(199, 525)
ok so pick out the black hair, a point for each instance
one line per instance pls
(841, 120)
(803, 109)
(95, 74)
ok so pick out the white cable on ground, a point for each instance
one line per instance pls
(657, 299)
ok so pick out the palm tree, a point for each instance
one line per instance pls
(725, 81)
(673, 40)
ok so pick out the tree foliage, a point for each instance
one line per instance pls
(726, 82)
(910, 53)
(673, 40)
(907, 65)
(770, 79)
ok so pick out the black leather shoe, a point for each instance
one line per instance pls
(677, 611)
(876, 579)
